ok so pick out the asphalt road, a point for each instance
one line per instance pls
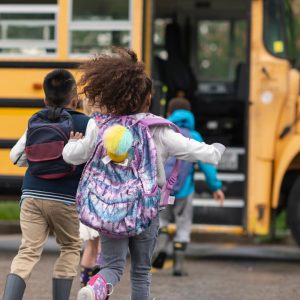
(216, 272)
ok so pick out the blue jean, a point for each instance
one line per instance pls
(141, 247)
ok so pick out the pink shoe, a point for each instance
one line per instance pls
(96, 289)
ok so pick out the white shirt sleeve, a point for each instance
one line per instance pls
(77, 152)
(17, 153)
(175, 144)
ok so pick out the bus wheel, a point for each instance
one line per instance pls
(293, 210)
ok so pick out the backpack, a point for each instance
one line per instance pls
(185, 167)
(120, 200)
(48, 132)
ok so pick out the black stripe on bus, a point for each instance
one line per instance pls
(11, 184)
(7, 144)
(19, 102)
(38, 64)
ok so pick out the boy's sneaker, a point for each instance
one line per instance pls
(96, 289)
(160, 254)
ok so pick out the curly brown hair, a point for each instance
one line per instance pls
(116, 82)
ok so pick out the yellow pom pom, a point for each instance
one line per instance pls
(117, 141)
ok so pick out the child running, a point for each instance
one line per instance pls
(49, 188)
(118, 171)
(179, 112)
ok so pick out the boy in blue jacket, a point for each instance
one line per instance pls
(179, 112)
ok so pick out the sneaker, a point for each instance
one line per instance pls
(159, 260)
(96, 289)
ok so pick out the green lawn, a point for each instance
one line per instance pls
(9, 210)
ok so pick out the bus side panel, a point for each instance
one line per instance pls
(23, 83)
(7, 168)
(268, 92)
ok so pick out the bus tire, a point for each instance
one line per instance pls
(293, 210)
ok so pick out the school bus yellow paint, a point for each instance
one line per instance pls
(6, 166)
(137, 27)
(268, 157)
(14, 122)
(63, 32)
(234, 230)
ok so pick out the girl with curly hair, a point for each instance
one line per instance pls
(117, 86)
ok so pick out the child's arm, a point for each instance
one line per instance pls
(188, 149)
(210, 173)
(78, 150)
(17, 154)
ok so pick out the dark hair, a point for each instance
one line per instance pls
(178, 103)
(117, 82)
(59, 87)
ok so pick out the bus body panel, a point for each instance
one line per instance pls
(269, 87)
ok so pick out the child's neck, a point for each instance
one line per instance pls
(96, 109)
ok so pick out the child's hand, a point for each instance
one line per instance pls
(76, 135)
(219, 196)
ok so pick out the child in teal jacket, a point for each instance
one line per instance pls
(179, 112)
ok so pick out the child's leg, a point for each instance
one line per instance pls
(64, 222)
(34, 234)
(35, 231)
(114, 252)
(90, 252)
(160, 253)
(183, 212)
(89, 261)
(141, 250)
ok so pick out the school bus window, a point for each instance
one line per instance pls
(159, 37)
(100, 10)
(221, 46)
(274, 28)
(98, 25)
(93, 41)
(28, 30)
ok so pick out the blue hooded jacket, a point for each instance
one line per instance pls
(185, 119)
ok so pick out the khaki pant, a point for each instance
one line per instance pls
(37, 218)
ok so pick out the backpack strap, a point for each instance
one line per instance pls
(167, 188)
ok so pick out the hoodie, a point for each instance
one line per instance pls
(185, 119)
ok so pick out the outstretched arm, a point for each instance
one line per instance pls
(189, 149)
(210, 173)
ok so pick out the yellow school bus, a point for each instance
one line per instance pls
(233, 59)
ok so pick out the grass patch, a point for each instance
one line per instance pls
(9, 210)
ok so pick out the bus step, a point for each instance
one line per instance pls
(222, 176)
(210, 202)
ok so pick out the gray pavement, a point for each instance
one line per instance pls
(216, 272)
